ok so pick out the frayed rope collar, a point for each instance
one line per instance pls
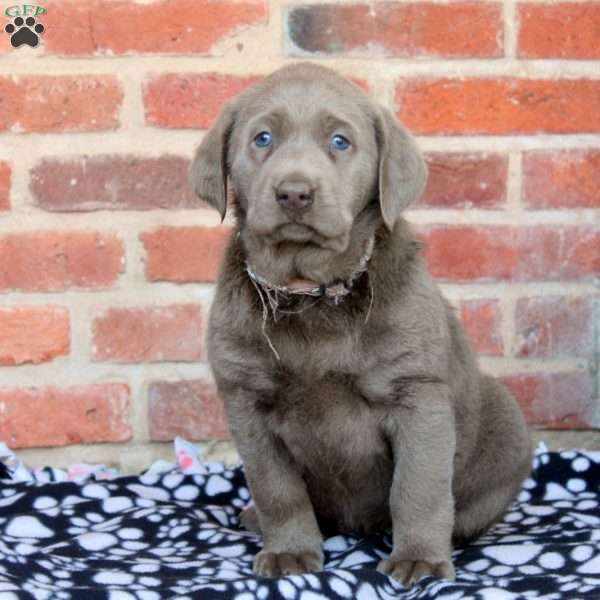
(275, 293)
(335, 291)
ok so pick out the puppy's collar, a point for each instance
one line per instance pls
(336, 291)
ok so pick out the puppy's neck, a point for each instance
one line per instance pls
(335, 290)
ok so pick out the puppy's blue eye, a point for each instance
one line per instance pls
(263, 139)
(339, 142)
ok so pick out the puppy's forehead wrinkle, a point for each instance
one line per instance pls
(302, 84)
(276, 118)
(303, 99)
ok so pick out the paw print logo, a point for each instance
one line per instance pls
(24, 31)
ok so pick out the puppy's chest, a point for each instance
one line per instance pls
(326, 424)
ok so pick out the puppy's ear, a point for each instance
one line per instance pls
(402, 170)
(209, 169)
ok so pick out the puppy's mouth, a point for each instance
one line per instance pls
(296, 232)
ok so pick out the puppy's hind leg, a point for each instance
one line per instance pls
(249, 519)
(500, 462)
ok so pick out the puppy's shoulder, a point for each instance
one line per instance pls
(233, 304)
(397, 268)
(232, 272)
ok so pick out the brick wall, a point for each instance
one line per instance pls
(107, 260)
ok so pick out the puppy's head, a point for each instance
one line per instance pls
(310, 159)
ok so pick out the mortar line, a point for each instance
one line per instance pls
(515, 184)
(509, 14)
(263, 64)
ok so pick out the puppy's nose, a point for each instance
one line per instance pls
(295, 196)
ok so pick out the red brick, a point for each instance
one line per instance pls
(51, 261)
(152, 334)
(190, 409)
(33, 334)
(554, 400)
(185, 254)
(482, 321)
(60, 103)
(499, 106)
(561, 30)
(5, 178)
(51, 416)
(465, 180)
(113, 183)
(456, 29)
(561, 179)
(554, 326)
(181, 100)
(163, 26)
(479, 253)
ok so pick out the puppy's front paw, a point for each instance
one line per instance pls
(408, 572)
(275, 564)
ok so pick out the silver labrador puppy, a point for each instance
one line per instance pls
(353, 396)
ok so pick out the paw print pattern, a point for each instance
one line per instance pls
(149, 537)
(24, 31)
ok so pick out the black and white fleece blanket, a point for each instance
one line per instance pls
(173, 532)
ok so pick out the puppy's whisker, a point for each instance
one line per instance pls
(372, 293)
(265, 315)
(273, 299)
